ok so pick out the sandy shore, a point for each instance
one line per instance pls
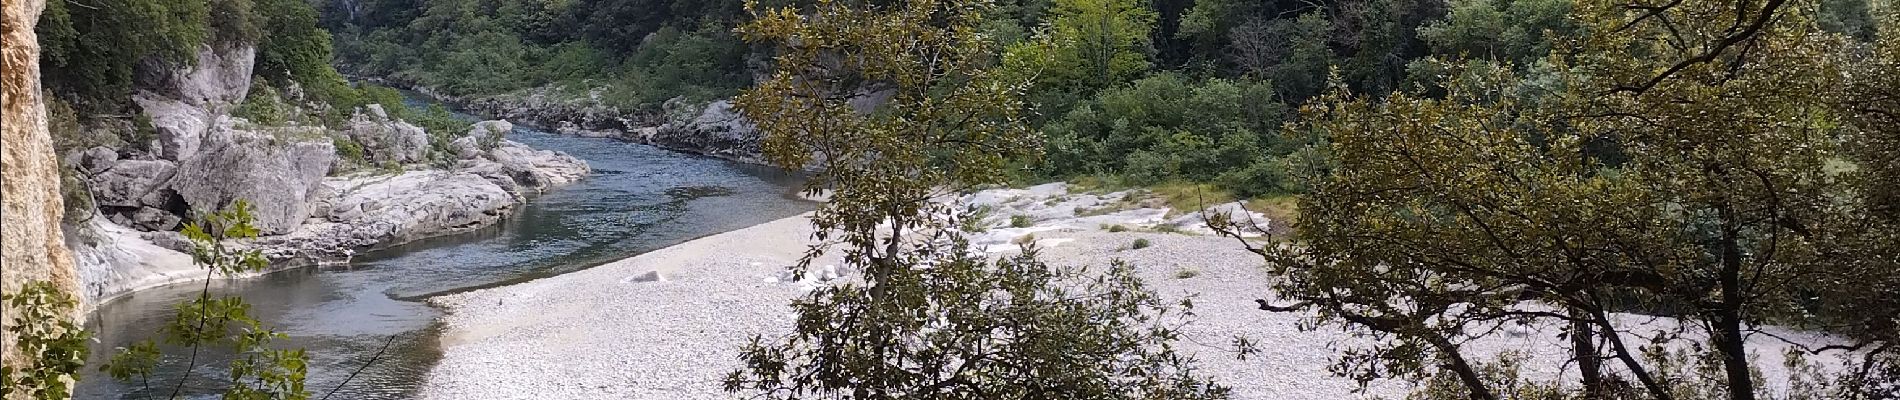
(610, 333)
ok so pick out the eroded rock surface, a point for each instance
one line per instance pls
(276, 172)
(386, 140)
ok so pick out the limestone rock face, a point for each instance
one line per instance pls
(129, 181)
(536, 170)
(32, 246)
(219, 77)
(276, 175)
(386, 140)
(181, 126)
(717, 130)
(114, 260)
(377, 211)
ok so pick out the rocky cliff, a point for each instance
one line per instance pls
(31, 246)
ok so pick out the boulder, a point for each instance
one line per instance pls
(152, 219)
(98, 159)
(376, 211)
(181, 127)
(537, 170)
(128, 183)
(717, 130)
(275, 174)
(388, 141)
(481, 137)
(219, 77)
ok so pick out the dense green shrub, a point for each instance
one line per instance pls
(88, 53)
(263, 105)
(1167, 127)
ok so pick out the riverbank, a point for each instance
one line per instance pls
(669, 324)
(336, 218)
(711, 129)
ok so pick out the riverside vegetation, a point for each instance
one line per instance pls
(1460, 167)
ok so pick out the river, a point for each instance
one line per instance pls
(638, 199)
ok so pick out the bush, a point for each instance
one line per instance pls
(1019, 221)
(263, 106)
(1117, 228)
(1100, 335)
(1167, 127)
(349, 150)
(1139, 244)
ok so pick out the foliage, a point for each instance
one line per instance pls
(294, 49)
(965, 329)
(1505, 30)
(634, 54)
(89, 51)
(1672, 171)
(1165, 127)
(930, 320)
(51, 344)
(1139, 244)
(1099, 43)
(259, 371)
(1848, 17)
(1290, 52)
(1019, 221)
(264, 106)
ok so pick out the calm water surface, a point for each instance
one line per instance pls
(639, 198)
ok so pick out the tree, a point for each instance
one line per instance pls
(1290, 52)
(1512, 31)
(893, 105)
(258, 371)
(1681, 166)
(1099, 43)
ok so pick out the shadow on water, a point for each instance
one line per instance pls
(638, 199)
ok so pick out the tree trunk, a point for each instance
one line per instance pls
(1589, 364)
(1727, 319)
(1455, 361)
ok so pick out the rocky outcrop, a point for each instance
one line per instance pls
(219, 76)
(274, 170)
(181, 126)
(128, 183)
(31, 243)
(378, 211)
(717, 130)
(386, 140)
(529, 171)
(134, 261)
(363, 212)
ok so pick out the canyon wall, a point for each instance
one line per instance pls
(31, 245)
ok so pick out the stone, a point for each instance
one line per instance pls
(537, 170)
(388, 141)
(97, 159)
(152, 219)
(219, 77)
(374, 211)
(181, 126)
(129, 182)
(276, 175)
(717, 130)
(649, 276)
